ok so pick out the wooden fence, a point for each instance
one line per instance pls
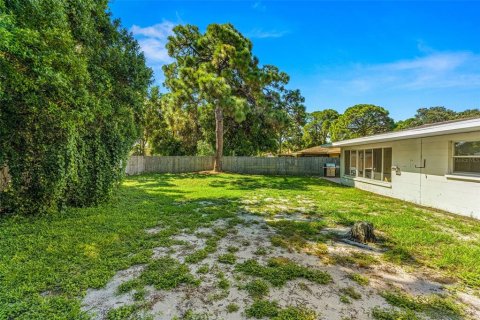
(180, 164)
(248, 165)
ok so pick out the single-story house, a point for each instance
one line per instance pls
(320, 151)
(435, 165)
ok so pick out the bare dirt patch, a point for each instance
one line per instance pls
(358, 276)
(99, 301)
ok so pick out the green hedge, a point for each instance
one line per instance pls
(72, 88)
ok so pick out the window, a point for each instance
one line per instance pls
(387, 164)
(377, 164)
(466, 157)
(353, 163)
(350, 167)
(369, 163)
(346, 168)
(361, 163)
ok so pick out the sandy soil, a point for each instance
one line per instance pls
(324, 299)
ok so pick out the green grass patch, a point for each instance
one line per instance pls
(392, 314)
(166, 274)
(351, 293)
(308, 230)
(211, 245)
(359, 259)
(270, 309)
(191, 315)
(140, 294)
(217, 296)
(262, 309)
(292, 243)
(436, 306)
(232, 307)
(128, 286)
(232, 249)
(399, 256)
(280, 270)
(48, 261)
(122, 313)
(223, 282)
(344, 299)
(261, 251)
(317, 249)
(257, 288)
(296, 313)
(197, 256)
(227, 258)
(359, 279)
(401, 300)
(203, 269)
(293, 235)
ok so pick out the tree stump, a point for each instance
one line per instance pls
(362, 232)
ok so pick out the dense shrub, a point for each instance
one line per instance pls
(72, 85)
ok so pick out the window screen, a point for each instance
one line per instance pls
(466, 157)
(369, 163)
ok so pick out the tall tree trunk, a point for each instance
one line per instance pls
(219, 139)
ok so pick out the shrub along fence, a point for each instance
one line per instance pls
(248, 165)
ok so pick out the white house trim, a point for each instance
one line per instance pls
(463, 177)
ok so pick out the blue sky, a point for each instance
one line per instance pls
(401, 55)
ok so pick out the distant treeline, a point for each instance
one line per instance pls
(180, 132)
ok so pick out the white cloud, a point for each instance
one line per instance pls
(259, 6)
(263, 34)
(152, 40)
(154, 50)
(159, 31)
(432, 71)
(436, 62)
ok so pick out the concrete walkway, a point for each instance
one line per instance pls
(335, 180)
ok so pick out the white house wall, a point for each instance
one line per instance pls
(429, 186)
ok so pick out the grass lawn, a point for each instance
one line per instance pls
(47, 263)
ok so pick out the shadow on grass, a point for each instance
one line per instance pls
(49, 261)
(82, 248)
(243, 182)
